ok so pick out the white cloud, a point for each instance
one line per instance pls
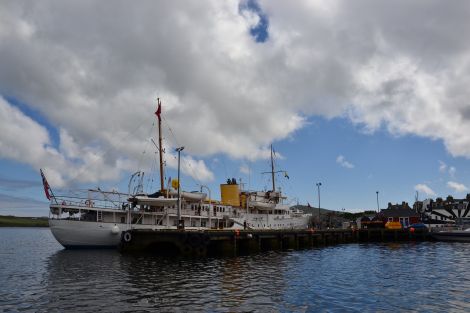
(341, 160)
(245, 169)
(197, 169)
(457, 187)
(25, 140)
(8, 202)
(94, 71)
(442, 167)
(425, 189)
(452, 171)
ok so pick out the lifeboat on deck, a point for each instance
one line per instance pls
(190, 196)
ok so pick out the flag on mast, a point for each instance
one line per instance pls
(159, 110)
(45, 185)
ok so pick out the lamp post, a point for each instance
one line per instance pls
(210, 199)
(178, 212)
(378, 207)
(319, 219)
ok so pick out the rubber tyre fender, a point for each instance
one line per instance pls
(126, 236)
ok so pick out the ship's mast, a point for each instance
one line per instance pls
(273, 172)
(272, 169)
(159, 111)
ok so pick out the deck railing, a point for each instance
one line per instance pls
(91, 198)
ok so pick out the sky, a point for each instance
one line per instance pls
(362, 96)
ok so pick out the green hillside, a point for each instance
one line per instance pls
(14, 221)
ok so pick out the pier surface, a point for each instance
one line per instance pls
(240, 242)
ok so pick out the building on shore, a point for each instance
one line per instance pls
(402, 213)
(441, 211)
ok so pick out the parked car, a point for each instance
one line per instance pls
(418, 226)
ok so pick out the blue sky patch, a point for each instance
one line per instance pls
(37, 117)
(260, 31)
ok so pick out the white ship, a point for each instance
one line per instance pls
(96, 218)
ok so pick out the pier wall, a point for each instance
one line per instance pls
(240, 242)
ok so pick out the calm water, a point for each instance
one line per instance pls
(37, 275)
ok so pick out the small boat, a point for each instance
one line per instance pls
(190, 196)
(263, 205)
(146, 200)
(393, 225)
(452, 235)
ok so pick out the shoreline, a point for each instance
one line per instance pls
(15, 221)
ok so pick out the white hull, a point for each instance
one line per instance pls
(76, 234)
(86, 234)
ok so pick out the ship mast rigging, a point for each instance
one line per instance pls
(160, 149)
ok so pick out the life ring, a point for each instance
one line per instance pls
(127, 237)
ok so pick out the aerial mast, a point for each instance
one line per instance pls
(158, 113)
(272, 169)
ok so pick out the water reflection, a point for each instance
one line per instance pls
(206, 284)
(83, 280)
(39, 276)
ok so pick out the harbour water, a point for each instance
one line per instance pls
(38, 275)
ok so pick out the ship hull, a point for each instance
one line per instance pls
(74, 234)
(79, 234)
(455, 236)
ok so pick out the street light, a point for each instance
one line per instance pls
(180, 222)
(319, 219)
(210, 199)
(378, 207)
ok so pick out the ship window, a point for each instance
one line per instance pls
(193, 223)
(203, 223)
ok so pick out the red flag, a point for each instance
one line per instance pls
(46, 186)
(159, 110)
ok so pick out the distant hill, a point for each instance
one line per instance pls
(310, 209)
(331, 216)
(15, 221)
